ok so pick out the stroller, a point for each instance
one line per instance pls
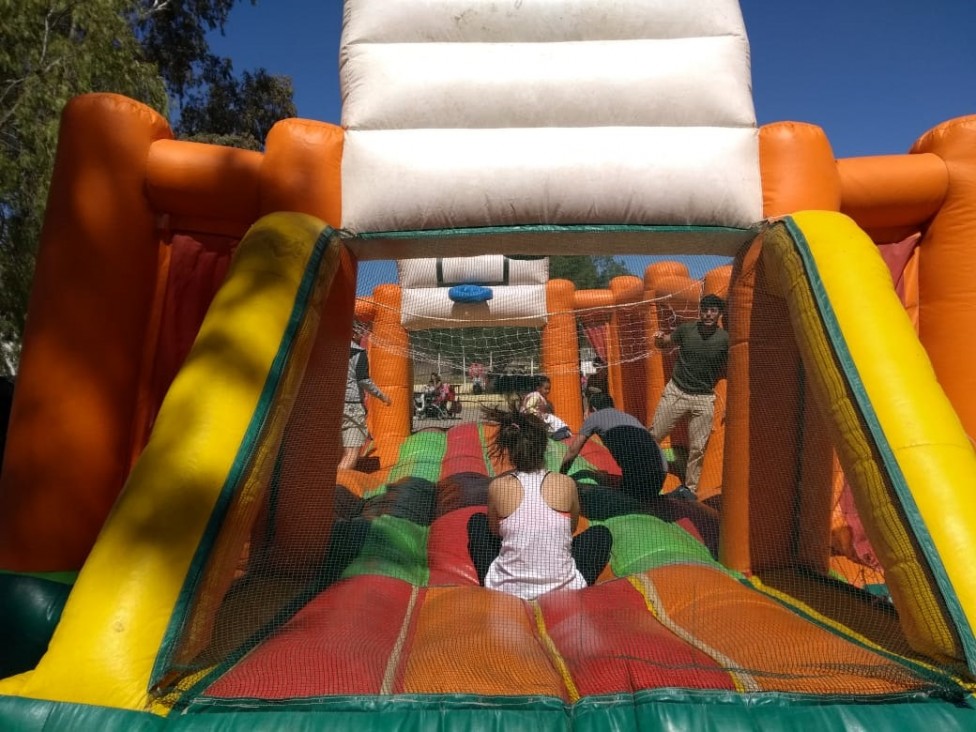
(441, 404)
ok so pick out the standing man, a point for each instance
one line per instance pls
(358, 384)
(642, 464)
(703, 351)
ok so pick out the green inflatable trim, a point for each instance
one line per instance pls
(664, 709)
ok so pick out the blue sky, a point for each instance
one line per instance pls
(875, 74)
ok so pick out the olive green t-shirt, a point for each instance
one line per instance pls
(701, 360)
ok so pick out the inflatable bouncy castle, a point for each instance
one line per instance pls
(179, 550)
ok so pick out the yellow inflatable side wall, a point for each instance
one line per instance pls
(115, 620)
(904, 451)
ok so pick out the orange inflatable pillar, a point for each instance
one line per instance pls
(390, 369)
(675, 300)
(365, 310)
(947, 299)
(307, 477)
(69, 443)
(594, 306)
(798, 169)
(762, 450)
(627, 328)
(302, 169)
(301, 172)
(560, 353)
(659, 282)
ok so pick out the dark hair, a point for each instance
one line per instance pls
(542, 379)
(601, 400)
(522, 436)
(712, 301)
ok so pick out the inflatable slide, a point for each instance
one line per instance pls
(179, 550)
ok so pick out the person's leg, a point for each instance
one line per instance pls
(350, 456)
(591, 551)
(353, 435)
(483, 546)
(699, 430)
(669, 410)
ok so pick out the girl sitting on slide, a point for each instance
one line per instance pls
(524, 545)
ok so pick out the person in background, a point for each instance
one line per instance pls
(642, 463)
(434, 390)
(358, 384)
(524, 544)
(537, 403)
(703, 351)
(597, 382)
(476, 372)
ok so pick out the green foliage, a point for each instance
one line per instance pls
(50, 51)
(173, 34)
(154, 51)
(226, 110)
(587, 273)
(212, 103)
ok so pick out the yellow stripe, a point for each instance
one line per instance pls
(389, 675)
(557, 658)
(846, 632)
(742, 681)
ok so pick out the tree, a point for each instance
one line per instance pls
(225, 110)
(587, 273)
(210, 103)
(154, 51)
(50, 51)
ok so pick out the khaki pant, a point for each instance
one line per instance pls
(354, 432)
(699, 408)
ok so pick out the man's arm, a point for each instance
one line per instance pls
(365, 383)
(573, 449)
(370, 387)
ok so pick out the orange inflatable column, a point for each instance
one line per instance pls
(560, 353)
(390, 368)
(947, 299)
(302, 169)
(628, 328)
(676, 301)
(68, 449)
(656, 277)
(306, 478)
(593, 307)
(798, 169)
(762, 445)
(301, 172)
(762, 450)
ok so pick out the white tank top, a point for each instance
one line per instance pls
(536, 553)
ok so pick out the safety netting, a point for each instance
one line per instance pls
(311, 590)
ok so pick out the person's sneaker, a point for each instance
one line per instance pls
(684, 493)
